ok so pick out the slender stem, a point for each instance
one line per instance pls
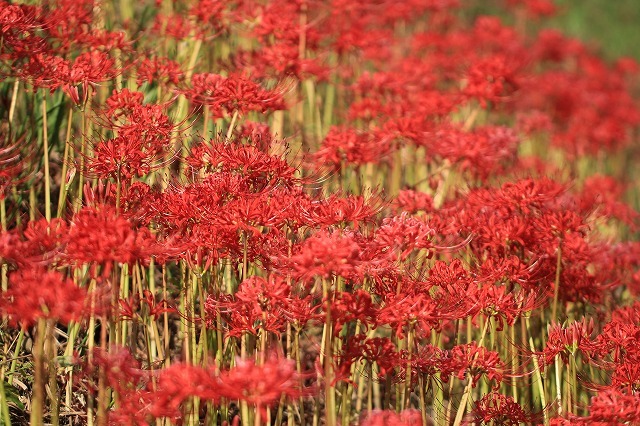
(90, 346)
(3, 224)
(556, 288)
(407, 391)
(539, 380)
(14, 98)
(296, 348)
(37, 400)
(83, 149)
(53, 373)
(6, 417)
(232, 124)
(558, 369)
(330, 391)
(45, 142)
(465, 396)
(65, 184)
(16, 352)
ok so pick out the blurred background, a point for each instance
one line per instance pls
(611, 26)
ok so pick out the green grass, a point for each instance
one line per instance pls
(610, 26)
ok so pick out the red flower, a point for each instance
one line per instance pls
(500, 410)
(100, 236)
(159, 70)
(475, 360)
(613, 406)
(391, 418)
(225, 95)
(36, 293)
(260, 385)
(567, 341)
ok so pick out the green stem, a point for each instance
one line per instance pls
(556, 288)
(539, 380)
(53, 374)
(65, 184)
(407, 390)
(330, 391)
(37, 399)
(83, 152)
(45, 142)
(465, 396)
(232, 124)
(6, 418)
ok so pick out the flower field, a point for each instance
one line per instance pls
(315, 212)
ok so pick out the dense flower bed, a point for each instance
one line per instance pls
(314, 212)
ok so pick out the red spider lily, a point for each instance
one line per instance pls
(500, 410)
(506, 305)
(391, 418)
(399, 236)
(600, 197)
(16, 159)
(143, 143)
(225, 95)
(67, 20)
(261, 385)
(123, 103)
(174, 26)
(484, 152)
(413, 201)
(573, 98)
(511, 270)
(142, 397)
(36, 293)
(453, 289)
(279, 31)
(377, 349)
(475, 360)
(419, 310)
(567, 341)
(258, 135)
(159, 70)
(259, 170)
(122, 158)
(618, 338)
(345, 146)
(39, 244)
(18, 30)
(280, 59)
(535, 8)
(129, 309)
(148, 126)
(614, 407)
(533, 122)
(627, 374)
(350, 306)
(493, 79)
(340, 210)
(54, 72)
(87, 70)
(299, 310)
(105, 40)
(128, 380)
(100, 236)
(209, 15)
(325, 254)
(627, 314)
(552, 45)
(256, 307)
(178, 383)
(428, 360)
